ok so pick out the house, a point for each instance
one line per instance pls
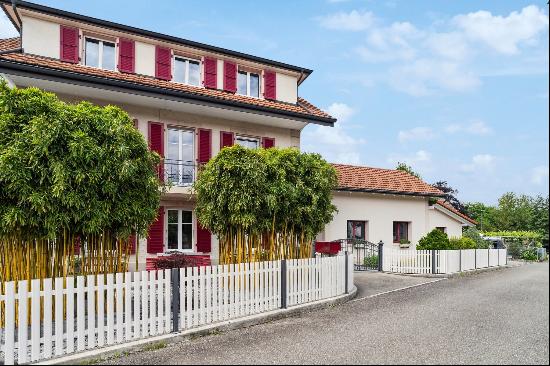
(389, 206)
(189, 100)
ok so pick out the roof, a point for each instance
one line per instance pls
(451, 208)
(146, 33)
(376, 180)
(39, 64)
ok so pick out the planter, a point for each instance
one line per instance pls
(404, 245)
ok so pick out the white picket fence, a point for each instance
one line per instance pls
(83, 313)
(446, 261)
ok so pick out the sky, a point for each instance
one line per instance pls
(456, 89)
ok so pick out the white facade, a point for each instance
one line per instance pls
(380, 211)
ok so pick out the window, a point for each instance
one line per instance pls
(187, 71)
(179, 162)
(356, 230)
(400, 231)
(248, 83)
(100, 54)
(443, 229)
(180, 230)
(249, 142)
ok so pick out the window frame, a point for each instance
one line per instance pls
(443, 229)
(248, 73)
(396, 224)
(249, 138)
(363, 223)
(187, 61)
(179, 224)
(193, 133)
(101, 42)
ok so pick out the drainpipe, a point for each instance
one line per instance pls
(14, 7)
(15, 50)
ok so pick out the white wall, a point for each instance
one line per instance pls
(145, 58)
(440, 219)
(41, 37)
(287, 88)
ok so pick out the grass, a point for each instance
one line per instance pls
(154, 346)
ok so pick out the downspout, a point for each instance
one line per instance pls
(14, 7)
(14, 50)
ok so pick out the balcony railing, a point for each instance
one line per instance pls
(179, 172)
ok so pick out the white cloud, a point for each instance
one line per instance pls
(426, 76)
(504, 34)
(335, 144)
(390, 43)
(451, 45)
(539, 175)
(421, 157)
(352, 21)
(480, 163)
(341, 111)
(416, 134)
(476, 127)
(7, 30)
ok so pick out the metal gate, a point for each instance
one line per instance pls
(366, 254)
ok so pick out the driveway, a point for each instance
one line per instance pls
(498, 317)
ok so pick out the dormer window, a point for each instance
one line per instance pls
(100, 54)
(248, 83)
(187, 71)
(247, 141)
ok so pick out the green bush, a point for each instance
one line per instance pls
(474, 234)
(462, 243)
(371, 261)
(434, 240)
(529, 255)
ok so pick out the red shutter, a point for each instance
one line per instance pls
(156, 143)
(205, 145)
(126, 55)
(230, 76)
(210, 73)
(268, 142)
(163, 63)
(69, 44)
(226, 139)
(270, 85)
(204, 239)
(155, 239)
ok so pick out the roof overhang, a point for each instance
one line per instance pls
(453, 215)
(385, 191)
(66, 82)
(10, 8)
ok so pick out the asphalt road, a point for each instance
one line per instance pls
(498, 317)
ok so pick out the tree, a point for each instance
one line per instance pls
(265, 204)
(483, 214)
(450, 195)
(407, 169)
(71, 174)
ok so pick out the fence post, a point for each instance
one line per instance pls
(460, 260)
(380, 256)
(434, 267)
(475, 258)
(175, 280)
(488, 257)
(284, 290)
(347, 271)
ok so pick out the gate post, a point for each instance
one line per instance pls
(380, 256)
(175, 280)
(460, 260)
(347, 271)
(434, 267)
(284, 290)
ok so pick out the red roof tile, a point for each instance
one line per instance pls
(367, 179)
(302, 108)
(450, 207)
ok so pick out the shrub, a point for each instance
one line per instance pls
(434, 240)
(475, 235)
(177, 260)
(462, 243)
(529, 255)
(371, 261)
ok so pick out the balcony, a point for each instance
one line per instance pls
(181, 173)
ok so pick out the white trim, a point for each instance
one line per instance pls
(100, 43)
(248, 73)
(451, 214)
(179, 223)
(186, 61)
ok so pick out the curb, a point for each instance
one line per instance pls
(456, 274)
(151, 343)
